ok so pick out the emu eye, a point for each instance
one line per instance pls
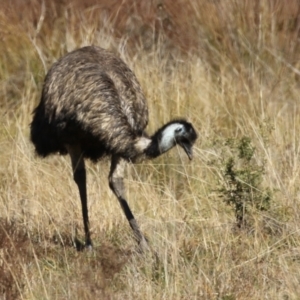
(179, 129)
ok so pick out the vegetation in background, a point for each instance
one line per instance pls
(226, 66)
(242, 180)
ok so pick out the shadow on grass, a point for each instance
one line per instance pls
(26, 260)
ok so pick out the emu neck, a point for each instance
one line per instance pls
(162, 141)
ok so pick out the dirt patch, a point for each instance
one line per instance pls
(26, 263)
(14, 252)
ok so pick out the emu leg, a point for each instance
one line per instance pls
(79, 174)
(116, 184)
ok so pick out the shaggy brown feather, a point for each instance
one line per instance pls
(90, 97)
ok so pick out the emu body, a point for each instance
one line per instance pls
(92, 106)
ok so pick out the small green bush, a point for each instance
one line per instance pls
(241, 184)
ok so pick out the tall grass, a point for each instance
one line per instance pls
(231, 67)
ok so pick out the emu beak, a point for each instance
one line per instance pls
(188, 150)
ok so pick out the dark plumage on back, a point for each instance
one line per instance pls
(92, 105)
(90, 96)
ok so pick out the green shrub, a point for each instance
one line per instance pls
(241, 185)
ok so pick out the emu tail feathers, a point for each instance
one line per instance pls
(42, 134)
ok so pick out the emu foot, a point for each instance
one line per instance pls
(143, 245)
(80, 246)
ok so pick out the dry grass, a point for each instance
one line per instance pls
(231, 67)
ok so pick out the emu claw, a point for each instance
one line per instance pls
(143, 246)
(81, 246)
(88, 247)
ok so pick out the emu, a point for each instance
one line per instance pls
(92, 106)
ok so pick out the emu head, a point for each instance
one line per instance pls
(178, 132)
